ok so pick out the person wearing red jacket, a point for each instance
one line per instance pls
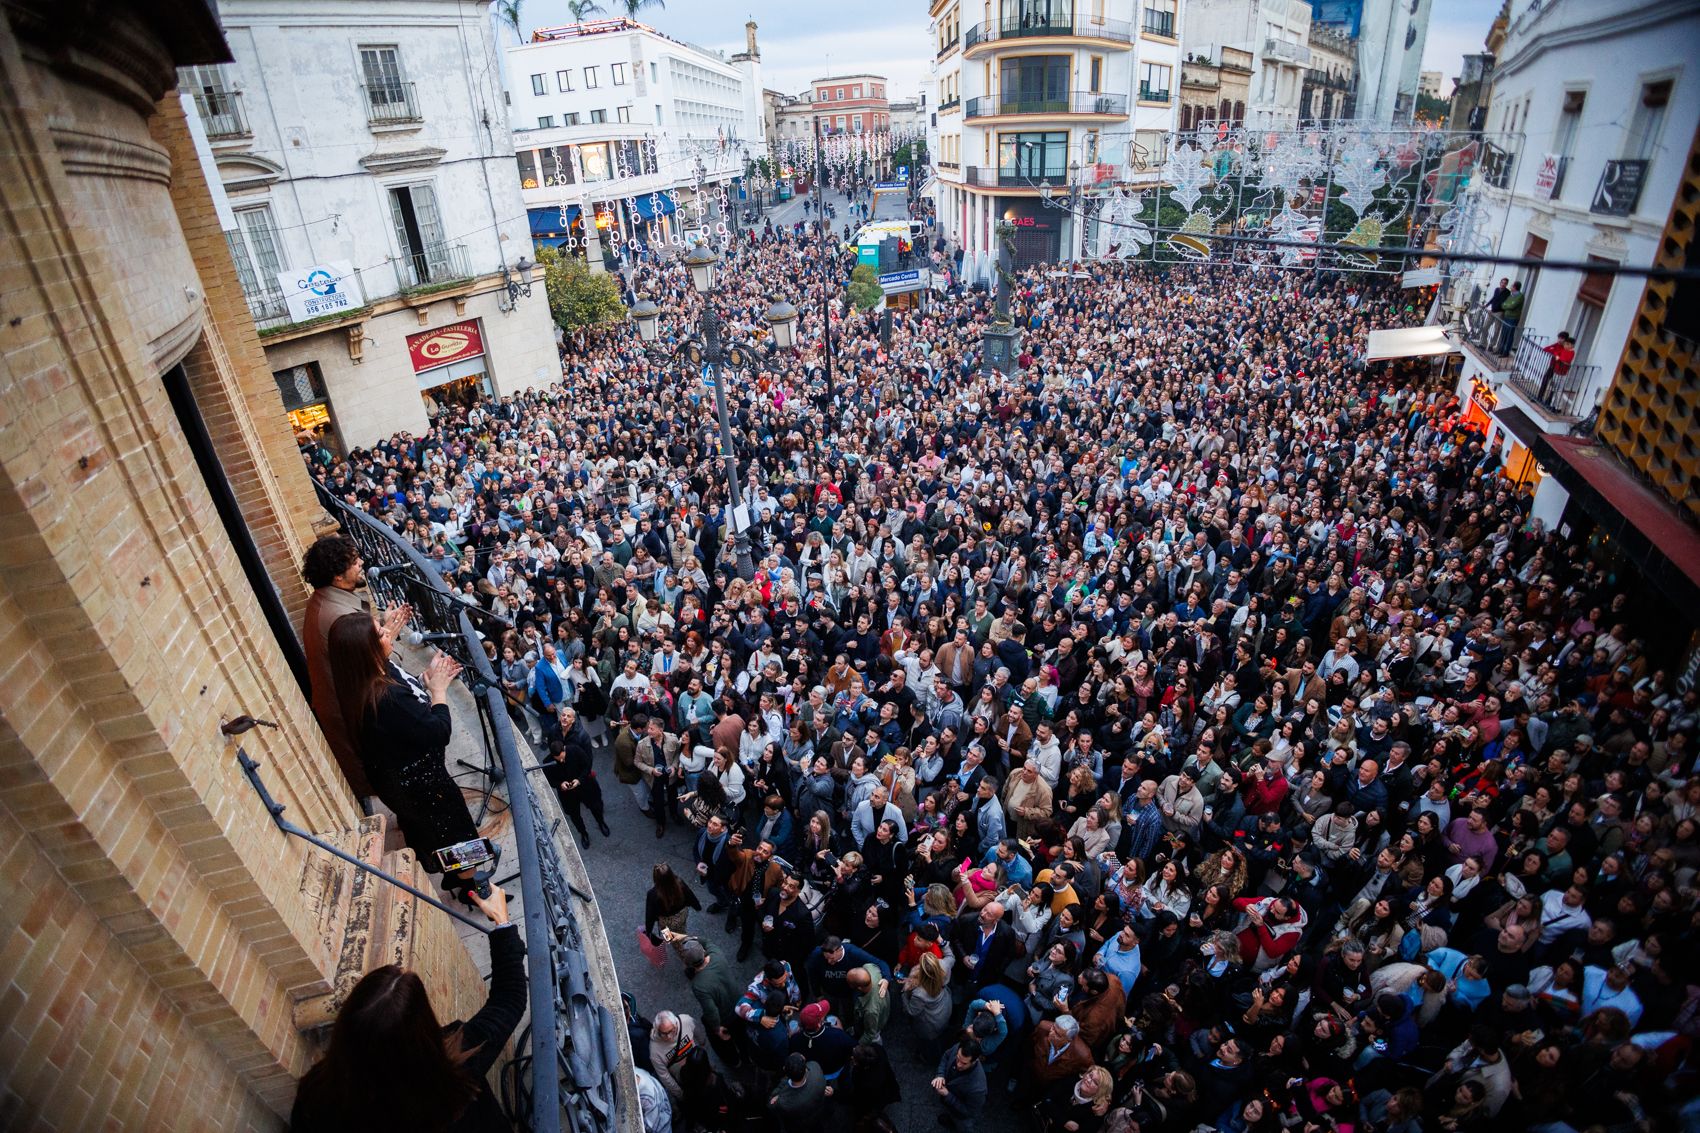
(1266, 788)
(1273, 928)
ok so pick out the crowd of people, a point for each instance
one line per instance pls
(1189, 729)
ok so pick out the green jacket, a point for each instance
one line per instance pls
(873, 1010)
(717, 989)
(1512, 309)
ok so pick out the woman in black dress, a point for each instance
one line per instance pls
(400, 726)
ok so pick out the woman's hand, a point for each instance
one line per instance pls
(495, 906)
(438, 675)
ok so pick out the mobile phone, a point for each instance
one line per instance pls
(471, 854)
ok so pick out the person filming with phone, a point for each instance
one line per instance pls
(392, 1065)
(400, 726)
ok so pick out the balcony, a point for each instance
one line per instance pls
(1080, 102)
(221, 114)
(1533, 374)
(1012, 178)
(268, 306)
(1497, 165)
(1158, 23)
(1286, 52)
(950, 104)
(432, 267)
(1152, 94)
(1033, 25)
(391, 104)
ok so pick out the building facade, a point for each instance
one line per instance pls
(620, 125)
(375, 218)
(851, 104)
(1214, 90)
(1276, 35)
(1330, 86)
(1040, 99)
(1390, 36)
(161, 934)
(1606, 99)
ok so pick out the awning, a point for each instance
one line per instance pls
(1519, 424)
(1408, 342)
(547, 222)
(652, 205)
(1656, 537)
(549, 241)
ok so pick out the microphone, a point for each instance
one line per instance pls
(385, 568)
(417, 638)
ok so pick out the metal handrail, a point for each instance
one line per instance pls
(561, 989)
(1067, 102)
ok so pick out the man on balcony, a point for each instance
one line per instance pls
(1563, 353)
(1510, 313)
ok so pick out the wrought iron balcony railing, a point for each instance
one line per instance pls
(1033, 25)
(434, 265)
(1077, 102)
(221, 114)
(389, 104)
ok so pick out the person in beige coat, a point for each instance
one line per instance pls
(1182, 805)
(1027, 800)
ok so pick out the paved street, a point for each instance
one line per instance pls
(619, 875)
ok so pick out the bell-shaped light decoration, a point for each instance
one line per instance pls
(701, 261)
(1192, 240)
(647, 316)
(782, 317)
(1366, 233)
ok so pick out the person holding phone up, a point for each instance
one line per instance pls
(401, 726)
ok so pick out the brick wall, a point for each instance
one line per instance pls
(156, 930)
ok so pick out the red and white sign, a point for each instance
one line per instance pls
(1546, 177)
(432, 348)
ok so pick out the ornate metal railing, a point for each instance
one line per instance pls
(574, 1036)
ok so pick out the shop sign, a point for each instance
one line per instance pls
(318, 290)
(432, 348)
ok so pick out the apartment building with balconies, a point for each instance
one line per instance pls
(360, 155)
(1275, 33)
(1044, 104)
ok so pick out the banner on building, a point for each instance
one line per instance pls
(330, 288)
(432, 348)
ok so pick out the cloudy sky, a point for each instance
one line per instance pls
(804, 41)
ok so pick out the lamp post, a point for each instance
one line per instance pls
(826, 280)
(718, 358)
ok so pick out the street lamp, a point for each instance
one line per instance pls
(517, 281)
(718, 358)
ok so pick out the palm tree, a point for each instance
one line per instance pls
(582, 9)
(633, 7)
(508, 12)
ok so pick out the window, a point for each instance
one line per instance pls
(254, 251)
(545, 121)
(856, 123)
(538, 86)
(856, 91)
(841, 121)
(1154, 82)
(555, 165)
(1033, 157)
(594, 161)
(617, 71)
(589, 78)
(389, 98)
(840, 95)
(1149, 151)
(1032, 84)
(1159, 18)
(419, 234)
(1643, 136)
(527, 169)
(1095, 74)
(622, 114)
(654, 76)
(1564, 142)
(571, 119)
(564, 80)
(598, 116)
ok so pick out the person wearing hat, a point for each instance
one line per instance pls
(821, 1040)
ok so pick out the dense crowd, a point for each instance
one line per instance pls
(1191, 729)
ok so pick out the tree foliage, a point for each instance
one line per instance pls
(865, 290)
(579, 299)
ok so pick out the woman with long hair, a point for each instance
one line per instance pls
(926, 999)
(401, 726)
(667, 906)
(392, 1065)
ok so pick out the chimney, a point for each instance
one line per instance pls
(750, 48)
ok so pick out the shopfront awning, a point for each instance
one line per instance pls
(652, 205)
(546, 222)
(1408, 342)
(1519, 424)
(1648, 527)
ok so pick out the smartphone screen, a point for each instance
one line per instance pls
(466, 855)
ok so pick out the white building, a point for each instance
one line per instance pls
(364, 152)
(1606, 98)
(616, 121)
(1061, 93)
(1276, 33)
(1391, 35)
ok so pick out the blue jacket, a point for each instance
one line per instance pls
(546, 684)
